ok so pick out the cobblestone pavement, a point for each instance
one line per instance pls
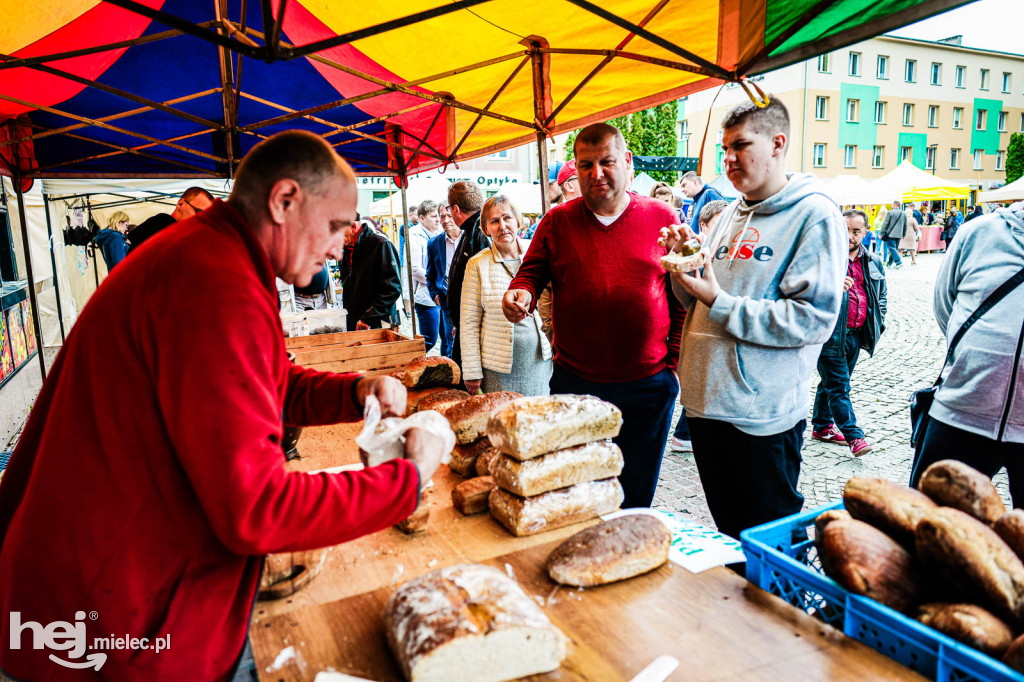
(908, 358)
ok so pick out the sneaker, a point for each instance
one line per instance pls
(860, 446)
(829, 434)
(897, 266)
(679, 445)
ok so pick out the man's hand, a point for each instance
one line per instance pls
(425, 449)
(516, 305)
(704, 287)
(360, 326)
(389, 391)
(674, 235)
(473, 386)
(847, 283)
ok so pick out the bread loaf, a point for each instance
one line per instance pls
(413, 398)
(464, 457)
(1014, 656)
(530, 515)
(560, 469)
(892, 508)
(610, 551)
(823, 520)
(469, 418)
(441, 400)
(417, 521)
(1010, 527)
(469, 623)
(433, 371)
(972, 557)
(529, 427)
(868, 562)
(484, 461)
(968, 624)
(470, 497)
(954, 484)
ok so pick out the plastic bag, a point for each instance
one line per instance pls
(382, 440)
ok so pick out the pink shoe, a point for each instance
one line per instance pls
(860, 446)
(829, 434)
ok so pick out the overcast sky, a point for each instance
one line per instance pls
(991, 24)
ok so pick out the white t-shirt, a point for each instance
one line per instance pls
(607, 220)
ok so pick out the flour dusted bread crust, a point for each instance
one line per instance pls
(464, 457)
(469, 418)
(529, 427)
(560, 469)
(530, 515)
(433, 371)
(611, 551)
(954, 484)
(470, 497)
(968, 624)
(892, 508)
(413, 398)
(442, 400)
(469, 623)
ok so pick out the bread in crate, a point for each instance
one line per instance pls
(559, 469)
(529, 427)
(892, 508)
(957, 485)
(968, 624)
(470, 623)
(468, 419)
(614, 550)
(563, 507)
(433, 371)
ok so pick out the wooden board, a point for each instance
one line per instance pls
(719, 627)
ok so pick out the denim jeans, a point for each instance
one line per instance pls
(445, 332)
(429, 318)
(832, 398)
(892, 251)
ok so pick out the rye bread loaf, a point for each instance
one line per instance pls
(469, 418)
(611, 551)
(559, 469)
(464, 457)
(442, 400)
(1010, 527)
(529, 427)
(469, 623)
(892, 508)
(414, 397)
(471, 497)
(530, 515)
(970, 555)
(485, 460)
(968, 624)
(954, 484)
(433, 371)
(868, 562)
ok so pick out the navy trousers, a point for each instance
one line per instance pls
(429, 318)
(445, 331)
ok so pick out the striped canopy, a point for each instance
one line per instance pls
(183, 88)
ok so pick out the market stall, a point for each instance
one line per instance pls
(908, 183)
(1011, 192)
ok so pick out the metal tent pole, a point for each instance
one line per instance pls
(53, 264)
(33, 300)
(408, 252)
(540, 114)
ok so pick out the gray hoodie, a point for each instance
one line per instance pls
(748, 359)
(983, 387)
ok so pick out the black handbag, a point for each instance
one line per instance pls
(921, 401)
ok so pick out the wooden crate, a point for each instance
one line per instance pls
(372, 351)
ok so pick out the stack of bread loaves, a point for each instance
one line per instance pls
(948, 554)
(556, 466)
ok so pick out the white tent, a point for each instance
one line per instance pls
(853, 190)
(1012, 192)
(907, 182)
(525, 197)
(722, 185)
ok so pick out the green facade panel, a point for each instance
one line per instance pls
(863, 134)
(918, 143)
(987, 139)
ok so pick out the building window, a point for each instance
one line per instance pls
(908, 114)
(819, 156)
(855, 63)
(929, 158)
(684, 129)
(1006, 82)
(877, 156)
(499, 156)
(853, 111)
(823, 63)
(999, 160)
(1002, 122)
(1022, 123)
(882, 70)
(849, 156)
(906, 154)
(958, 114)
(978, 153)
(979, 121)
(933, 116)
(879, 112)
(984, 79)
(936, 77)
(959, 81)
(821, 108)
(954, 159)
(910, 71)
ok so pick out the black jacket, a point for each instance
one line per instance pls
(148, 227)
(874, 283)
(895, 224)
(472, 242)
(370, 281)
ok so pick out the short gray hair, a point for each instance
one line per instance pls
(691, 175)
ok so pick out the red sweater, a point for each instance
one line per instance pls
(613, 313)
(149, 479)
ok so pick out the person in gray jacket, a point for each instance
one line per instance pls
(758, 312)
(978, 413)
(891, 232)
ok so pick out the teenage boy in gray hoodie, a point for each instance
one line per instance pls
(759, 311)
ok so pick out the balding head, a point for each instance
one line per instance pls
(595, 134)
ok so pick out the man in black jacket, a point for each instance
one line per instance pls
(369, 276)
(194, 200)
(893, 228)
(861, 322)
(464, 201)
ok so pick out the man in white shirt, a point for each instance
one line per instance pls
(427, 312)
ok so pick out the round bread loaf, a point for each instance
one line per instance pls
(1010, 527)
(614, 550)
(954, 484)
(414, 397)
(968, 624)
(892, 508)
(442, 400)
(433, 371)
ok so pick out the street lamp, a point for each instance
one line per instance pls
(934, 147)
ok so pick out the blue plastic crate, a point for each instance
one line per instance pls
(783, 561)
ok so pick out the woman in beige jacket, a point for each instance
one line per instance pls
(496, 354)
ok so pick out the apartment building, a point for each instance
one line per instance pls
(861, 110)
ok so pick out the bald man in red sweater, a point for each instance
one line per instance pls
(616, 324)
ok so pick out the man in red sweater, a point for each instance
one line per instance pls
(616, 325)
(146, 497)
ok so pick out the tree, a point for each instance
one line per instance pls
(1015, 158)
(651, 132)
